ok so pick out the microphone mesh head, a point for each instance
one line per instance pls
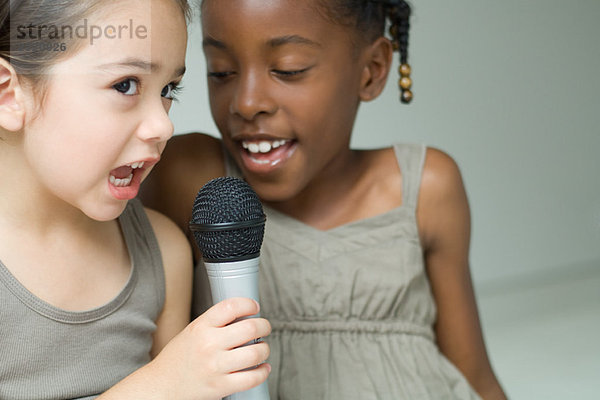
(228, 220)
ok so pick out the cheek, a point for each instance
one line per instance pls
(318, 118)
(220, 98)
(77, 148)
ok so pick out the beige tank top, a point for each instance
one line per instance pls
(50, 353)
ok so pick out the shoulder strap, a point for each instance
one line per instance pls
(143, 247)
(411, 158)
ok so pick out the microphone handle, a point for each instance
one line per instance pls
(237, 279)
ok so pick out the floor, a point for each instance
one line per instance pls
(543, 333)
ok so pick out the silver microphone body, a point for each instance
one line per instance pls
(233, 279)
(237, 279)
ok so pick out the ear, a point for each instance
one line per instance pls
(12, 110)
(378, 61)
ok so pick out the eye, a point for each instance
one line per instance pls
(218, 75)
(290, 73)
(128, 87)
(170, 91)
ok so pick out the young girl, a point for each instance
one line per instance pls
(92, 285)
(364, 268)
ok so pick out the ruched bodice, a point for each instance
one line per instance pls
(366, 276)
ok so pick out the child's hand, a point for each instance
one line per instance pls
(204, 361)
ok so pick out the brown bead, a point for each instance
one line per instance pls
(404, 70)
(405, 82)
(406, 96)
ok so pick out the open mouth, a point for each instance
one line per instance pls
(264, 154)
(124, 182)
(122, 176)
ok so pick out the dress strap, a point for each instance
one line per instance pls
(411, 158)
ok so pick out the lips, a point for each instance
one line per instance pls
(265, 155)
(124, 181)
(123, 176)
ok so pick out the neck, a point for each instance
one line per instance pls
(367, 184)
(326, 200)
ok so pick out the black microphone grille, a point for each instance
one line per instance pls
(228, 221)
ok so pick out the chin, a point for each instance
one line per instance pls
(106, 213)
(272, 192)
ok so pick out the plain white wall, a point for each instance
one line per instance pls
(510, 89)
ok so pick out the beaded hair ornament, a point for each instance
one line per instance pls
(398, 12)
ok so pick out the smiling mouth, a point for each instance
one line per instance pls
(263, 154)
(122, 176)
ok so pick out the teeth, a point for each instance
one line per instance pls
(121, 182)
(264, 146)
(135, 165)
(253, 148)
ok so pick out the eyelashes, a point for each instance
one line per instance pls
(125, 86)
(290, 73)
(171, 91)
(131, 87)
(219, 75)
(283, 74)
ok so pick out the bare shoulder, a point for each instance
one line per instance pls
(195, 144)
(441, 175)
(187, 163)
(192, 154)
(443, 204)
(171, 239)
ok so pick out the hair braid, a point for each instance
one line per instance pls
(398, 12)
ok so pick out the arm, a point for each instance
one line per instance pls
(177, 262)
(444, 222)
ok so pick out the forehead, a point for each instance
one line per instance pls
(149, 30)
(243, 20)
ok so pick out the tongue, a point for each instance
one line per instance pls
(121, 172)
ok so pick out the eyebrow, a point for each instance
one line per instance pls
(212, 42)
(293, 39)
(139, 64)
(275, 42)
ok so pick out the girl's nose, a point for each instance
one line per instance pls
(252, 97)
(156, 125)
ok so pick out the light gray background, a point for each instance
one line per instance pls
(511, 90)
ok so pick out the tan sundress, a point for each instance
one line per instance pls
(351, 307)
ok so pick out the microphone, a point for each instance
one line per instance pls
(228, 223)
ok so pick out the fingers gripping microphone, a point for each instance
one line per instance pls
(228, 224)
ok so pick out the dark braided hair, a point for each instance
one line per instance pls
(369, 17)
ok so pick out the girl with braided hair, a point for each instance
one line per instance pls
(364, 267)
